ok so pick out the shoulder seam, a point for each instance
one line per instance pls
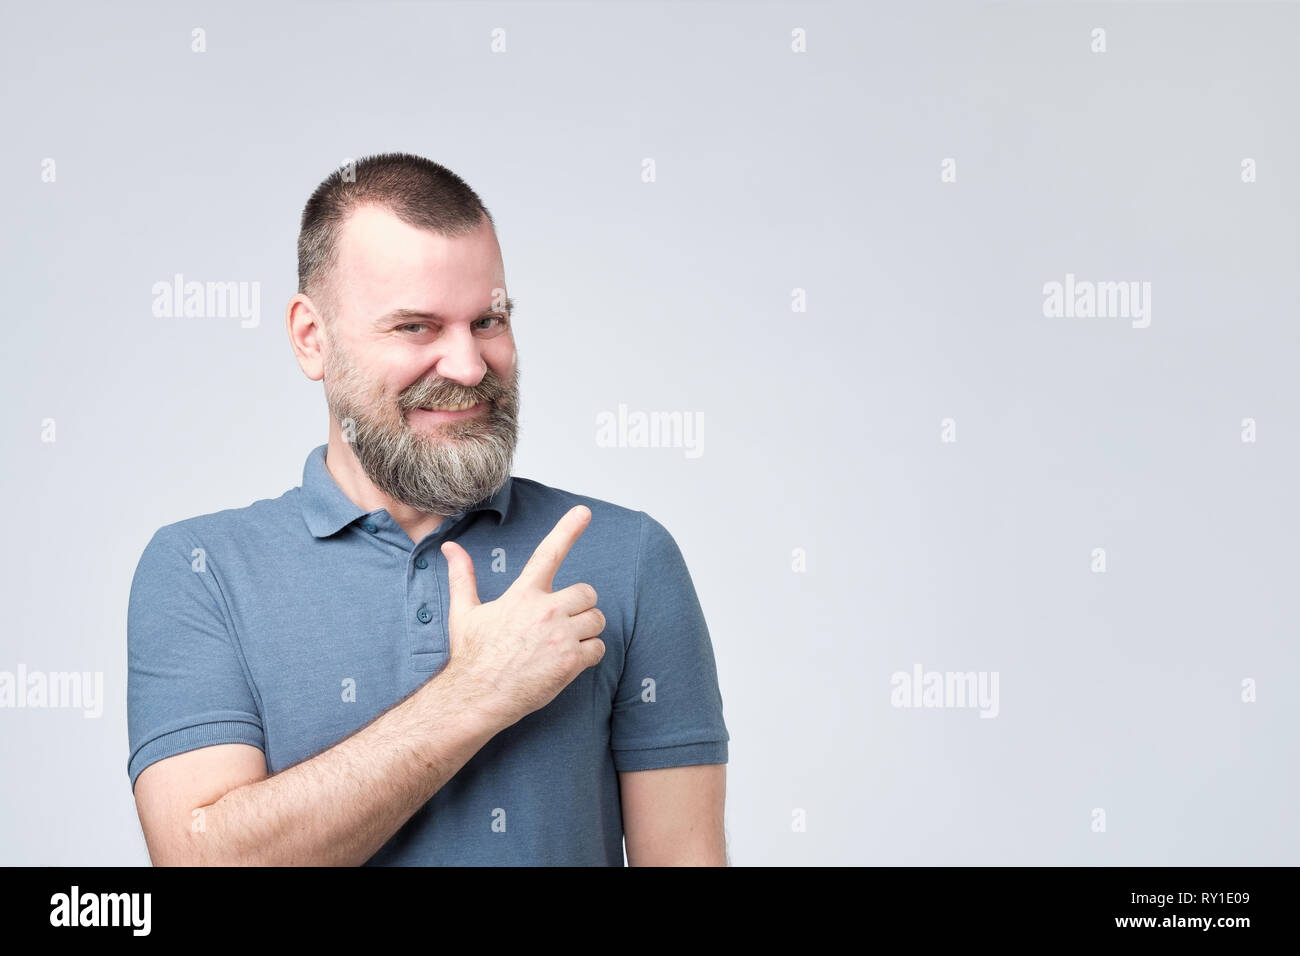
(636, 580)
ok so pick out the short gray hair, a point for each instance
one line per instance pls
(416, 190)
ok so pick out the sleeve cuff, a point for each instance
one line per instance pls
(682, 755)
(193, 738)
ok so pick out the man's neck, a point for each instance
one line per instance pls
(341, 462)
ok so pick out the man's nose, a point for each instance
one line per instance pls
(461, 360)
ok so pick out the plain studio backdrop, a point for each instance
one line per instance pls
(826, 233)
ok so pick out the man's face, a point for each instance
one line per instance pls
(419, 321)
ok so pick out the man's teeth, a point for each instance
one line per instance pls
(449, 408)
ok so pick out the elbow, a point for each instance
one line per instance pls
(189, 845)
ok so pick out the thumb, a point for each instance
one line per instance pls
(460, 578)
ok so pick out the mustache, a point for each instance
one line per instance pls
(444, 393)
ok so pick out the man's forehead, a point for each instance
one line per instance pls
(378, 253)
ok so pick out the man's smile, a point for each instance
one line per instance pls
(423, 416)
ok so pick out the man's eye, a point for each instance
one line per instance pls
(500, 321)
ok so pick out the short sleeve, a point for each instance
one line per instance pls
(668, 706)
(186, 688)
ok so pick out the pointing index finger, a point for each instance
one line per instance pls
(550, 554)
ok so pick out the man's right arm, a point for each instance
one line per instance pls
(217, 806)
(508, 658)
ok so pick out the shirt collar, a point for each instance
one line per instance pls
(327, 509)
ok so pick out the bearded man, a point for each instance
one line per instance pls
(414, 657)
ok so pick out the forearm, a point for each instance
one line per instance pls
(340, 806)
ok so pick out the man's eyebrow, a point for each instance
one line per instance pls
(406, 314)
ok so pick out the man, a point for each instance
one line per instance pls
(415, 658)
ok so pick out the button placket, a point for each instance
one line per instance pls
(424, 614)
(427, 597)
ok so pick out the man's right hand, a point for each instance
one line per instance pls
(519, 651)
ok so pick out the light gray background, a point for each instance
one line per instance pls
(775, 171)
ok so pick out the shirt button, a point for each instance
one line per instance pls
(423, 614)
(371, 527)
(421, 563)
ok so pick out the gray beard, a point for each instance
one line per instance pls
(464, 465)
(446, 477)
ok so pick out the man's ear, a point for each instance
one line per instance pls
(306, 327)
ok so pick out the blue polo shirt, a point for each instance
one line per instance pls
(293, 622)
